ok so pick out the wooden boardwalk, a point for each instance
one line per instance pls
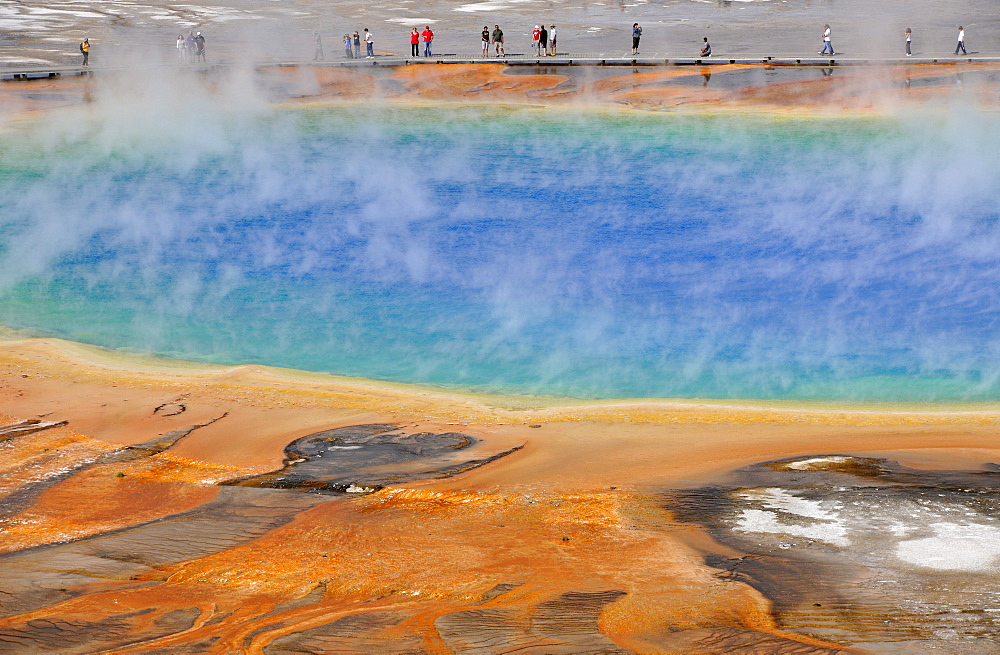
(14, 73)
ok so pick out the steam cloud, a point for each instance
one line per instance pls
(513, 249)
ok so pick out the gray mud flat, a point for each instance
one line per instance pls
(864, 552)
(364, 458)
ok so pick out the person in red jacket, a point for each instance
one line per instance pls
(415, 43)
(428, 36)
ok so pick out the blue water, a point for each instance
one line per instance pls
(589, 255)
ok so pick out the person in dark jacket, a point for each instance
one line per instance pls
(199, 44)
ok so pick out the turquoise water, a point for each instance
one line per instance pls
(581, 254)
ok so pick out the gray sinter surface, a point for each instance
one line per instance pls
(864, 551)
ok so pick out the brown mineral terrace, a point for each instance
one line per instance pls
(120, 533)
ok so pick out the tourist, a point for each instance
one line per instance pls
(498, 41)
(181, 48)
(414, 43)
(357, 45)
(85, 50)
(428, 36)
(199, 44)
(908, 35)
(369, 45)
(706, 50)
(347, 46)
(827, 45)
(961, 41)
(535, 35)
(543, 41)
(486, 40)
(636, 35)
(318, 49)
(552, 40)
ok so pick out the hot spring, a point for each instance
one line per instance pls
(520, 250)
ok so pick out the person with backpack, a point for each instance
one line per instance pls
(357, 44)
(85, 51)
(636, 35)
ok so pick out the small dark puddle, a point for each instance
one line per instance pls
(364, 458)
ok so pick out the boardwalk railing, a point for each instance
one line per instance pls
(613, 58)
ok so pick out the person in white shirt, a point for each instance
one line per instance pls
(369, 44)
(961, 41)
(827, 45)
(552, 40)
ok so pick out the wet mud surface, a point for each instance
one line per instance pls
(862, 551)
(26, 494)
(719, 88)
(824, 554)
(244, 570)
(365, 458)
(48, 574)
(716, 88)
(164, 556)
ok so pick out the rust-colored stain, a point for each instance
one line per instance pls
(456, 570)
(562, 546)
(839, 89)
(343, 83)
(833, 89)
(464, 81)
